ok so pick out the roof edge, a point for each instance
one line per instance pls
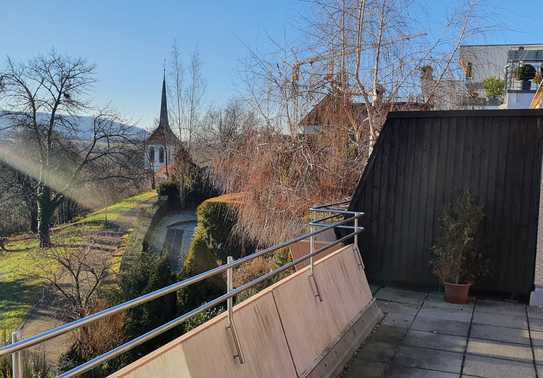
(468, 113)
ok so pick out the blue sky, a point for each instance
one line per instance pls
(128, 40)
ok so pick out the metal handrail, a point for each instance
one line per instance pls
(52, 333)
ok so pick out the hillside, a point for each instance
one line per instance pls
(84, 125)
(20, 290)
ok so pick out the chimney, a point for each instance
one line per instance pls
(426, 81)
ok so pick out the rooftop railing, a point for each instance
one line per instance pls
(319, 226)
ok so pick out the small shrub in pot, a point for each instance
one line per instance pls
(456, 258)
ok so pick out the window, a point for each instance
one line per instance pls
(152, 154)
(161, 155)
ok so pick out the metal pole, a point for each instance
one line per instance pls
(312, 281)
(356, 231)
(229, 288)
(311, 250)
(16, 363)
(230, 315)
(356, 250)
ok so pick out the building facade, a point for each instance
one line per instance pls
(477, 64)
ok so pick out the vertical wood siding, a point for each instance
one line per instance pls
(421, 162)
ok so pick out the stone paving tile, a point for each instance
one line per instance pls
(399, 308)
(500, 307)
(431, 342)
(398, 314)
(447, 327)
(537, 338)
(501, 320)
(497, 368)
(377, 351)
(401, 295)
(535, 312)
(388, 334)
(489, 348)
(435, 341)
(398, 320)
(403, 372)
(508, 335)
(538, 354)
(423, 358)
(437, 299)
(536, 324)
(364, 369)
(443, 314)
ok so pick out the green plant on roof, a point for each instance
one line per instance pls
(525, 72)
(494, 87)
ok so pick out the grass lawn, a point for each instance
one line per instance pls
(119, 209)
(18, 291)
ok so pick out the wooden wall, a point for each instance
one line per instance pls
(421, 162)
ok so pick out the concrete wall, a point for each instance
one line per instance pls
(284, 331)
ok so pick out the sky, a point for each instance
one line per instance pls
(129, 40)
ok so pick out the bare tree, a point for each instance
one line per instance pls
(176, 88)
(44, 96)
(76, 275)
(322, 105)
(193, 97)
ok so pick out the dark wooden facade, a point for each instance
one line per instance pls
(421, 162)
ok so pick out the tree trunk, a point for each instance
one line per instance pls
(46, 209)
(34, 218)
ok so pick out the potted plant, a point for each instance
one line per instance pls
(525, 73)
(494, 88)
(456, 259)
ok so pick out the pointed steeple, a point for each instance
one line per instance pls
(163, 123)
(163, 134)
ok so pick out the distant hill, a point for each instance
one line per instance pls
(85, 125)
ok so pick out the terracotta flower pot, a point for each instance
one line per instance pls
(457, 293)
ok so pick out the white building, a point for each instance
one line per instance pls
(481, 62)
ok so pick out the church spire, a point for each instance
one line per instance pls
(163, 123)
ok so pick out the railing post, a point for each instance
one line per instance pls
(356, 230)
(312, 281)
(229, 288)
(356, 250)
(311, 250)
(16, 361)
(231, 329)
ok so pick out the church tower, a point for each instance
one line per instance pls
(161, 146)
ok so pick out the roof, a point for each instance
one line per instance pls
(329, 108)
(163, 134)
(502, 44)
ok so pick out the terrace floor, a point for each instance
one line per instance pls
(423, 336)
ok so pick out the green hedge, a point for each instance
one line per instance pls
(211, 244)
(169, 189)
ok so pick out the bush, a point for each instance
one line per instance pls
(494, 87)
(525, 72)
(194, 182)
(456, 254)
(149, 273)
(169, 189)
(213, 241)
(35, 364)
(201, 258)
(202, 317)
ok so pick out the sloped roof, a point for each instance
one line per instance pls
(163, 134)
(330, 108)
